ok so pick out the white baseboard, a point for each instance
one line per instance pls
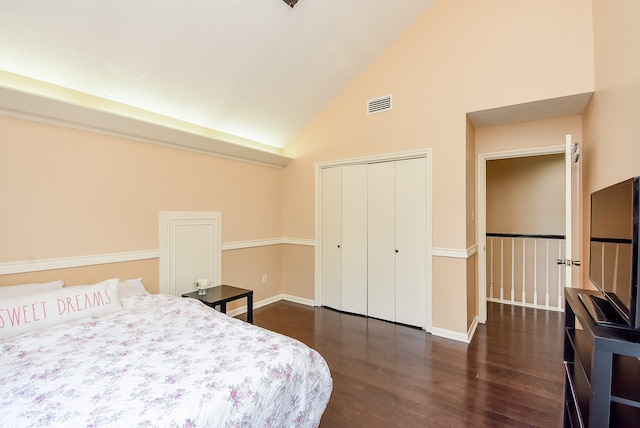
(472, 328)
(440, 332)
(269, 300)
(301, 300)
(454, 335)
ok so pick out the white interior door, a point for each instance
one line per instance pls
(381, 235)
(331, 237)
(190, 248)
(354, 239)
(572, 213)
(410, 242)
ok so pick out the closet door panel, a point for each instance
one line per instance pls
(331, 237)
(354, 239)
(381, 234)
(410, 212)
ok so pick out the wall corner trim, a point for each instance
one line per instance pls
(455, 252)
(472, 328)
(269, 300)
(238, 245)
(296, 241)
(450, 334)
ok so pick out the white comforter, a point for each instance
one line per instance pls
(162, 361)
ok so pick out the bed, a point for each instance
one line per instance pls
(156, 360)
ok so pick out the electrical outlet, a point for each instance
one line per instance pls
(264, 278)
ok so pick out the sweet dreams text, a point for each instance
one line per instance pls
(13, 316)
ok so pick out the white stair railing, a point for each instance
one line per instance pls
(529, 263)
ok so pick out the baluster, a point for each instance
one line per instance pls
(559, 305)
(541, 279)
(523, 271)
(546, 297)
(513, 271)
(535, 272)
(501, 269)
(491, 268)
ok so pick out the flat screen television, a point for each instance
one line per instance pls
(614, 255)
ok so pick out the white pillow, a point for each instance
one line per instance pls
(41, 310)
(131, 287)
(25, 289)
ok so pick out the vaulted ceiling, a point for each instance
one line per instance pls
(257, 69)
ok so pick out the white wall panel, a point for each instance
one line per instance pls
(190, 248)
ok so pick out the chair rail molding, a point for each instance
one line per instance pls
(25, 266)
(76, 261)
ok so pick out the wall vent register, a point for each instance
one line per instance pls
(378, 105)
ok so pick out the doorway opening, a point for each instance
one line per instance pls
(507, 243)
(525, 230)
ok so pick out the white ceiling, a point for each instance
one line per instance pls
(257, 69)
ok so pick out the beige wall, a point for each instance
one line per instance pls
(245, 267)
(472, 286)
(534, 134)
(148, 270)
(526, 195)
(611, 126)
(461, 56)
(69, 193)
(299, 271)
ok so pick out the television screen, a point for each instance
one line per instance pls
(612, 243)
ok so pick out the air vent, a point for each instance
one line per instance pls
(379, 105)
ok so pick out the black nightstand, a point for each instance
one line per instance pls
(220, 295)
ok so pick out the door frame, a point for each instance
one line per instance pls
(319, 166)
(481, 215)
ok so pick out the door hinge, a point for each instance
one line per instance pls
(568, 262)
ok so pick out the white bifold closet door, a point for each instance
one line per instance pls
(332, 237)
(411, 273)
(396, 234)
(382, 241)
(354, 239)
(374, 240)
(344, 238)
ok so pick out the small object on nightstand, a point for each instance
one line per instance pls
(202, 284)
(220, 295)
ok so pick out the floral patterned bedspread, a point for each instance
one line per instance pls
(162, 361)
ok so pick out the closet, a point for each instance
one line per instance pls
(374, 239)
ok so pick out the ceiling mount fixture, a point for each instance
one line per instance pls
(291, 2)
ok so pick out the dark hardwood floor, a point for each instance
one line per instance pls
(392, 375)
